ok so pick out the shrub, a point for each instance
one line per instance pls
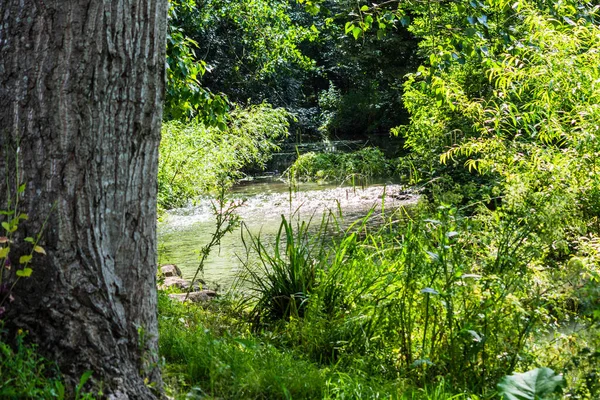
(439, 296)
(196, 159)
(357, 166)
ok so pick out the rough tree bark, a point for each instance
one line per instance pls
(81, 92)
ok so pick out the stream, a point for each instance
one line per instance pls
(183, 232)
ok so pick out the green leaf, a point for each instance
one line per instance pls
(25, 259)
(313, 9)
(24, 273)
(537, 384)
(483, 20)
(82, 381)
(348, 28)
(39, 249)
(29, 240)
(21, 188)
(356, 32)
(6, 226)
(4, 251)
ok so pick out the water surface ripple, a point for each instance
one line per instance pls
(182, 232)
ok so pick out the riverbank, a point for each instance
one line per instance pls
(426, 307)
(183, 231)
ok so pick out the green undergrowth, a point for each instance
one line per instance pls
(197, 159)
(430, 296)
(211, 352)
(354, 167)
(429, 304)
(24, 374)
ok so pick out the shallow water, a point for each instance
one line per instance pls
(182, 232)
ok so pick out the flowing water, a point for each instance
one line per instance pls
(182, 232)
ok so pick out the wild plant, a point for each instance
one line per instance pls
(357, 167)
(421, 297)
(285, 274)
(24, 373)
(13, 248)
(197, 159)
(227, 220)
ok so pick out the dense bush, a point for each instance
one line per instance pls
(356, 167)
(196, 159)
(520, 108)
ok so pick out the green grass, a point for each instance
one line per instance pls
(24, 374)
(27, 375)
(212, 353)
(431, 296)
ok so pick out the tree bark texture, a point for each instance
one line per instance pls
(81, 92)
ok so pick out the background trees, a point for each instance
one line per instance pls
(279, 52)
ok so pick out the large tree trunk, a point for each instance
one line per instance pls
(81, 91)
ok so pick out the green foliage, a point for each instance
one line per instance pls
(27, 375)
(422, 298)
(186, 99)
(249, 49)
(537, 384)
(510, 93)
(357, 167)
(213, 362)
(275, 51)
(366, 75)
(504, 120)
(13, 245)
(269, 37)
(211, 352)
(282, 282)
(196, 159)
